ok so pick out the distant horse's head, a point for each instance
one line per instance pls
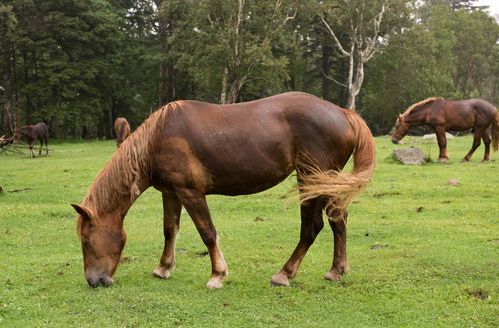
(401, 129)
(17, 135)
(102, 241)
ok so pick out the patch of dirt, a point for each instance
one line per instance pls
(378, 246)
(20, 190)
(201, 254)
(478, 293)
(389, 193)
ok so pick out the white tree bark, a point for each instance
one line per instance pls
(362, 49)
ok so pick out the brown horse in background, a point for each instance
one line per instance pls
(31, 133)
(121, 130)
(442, 115)
(188, 149)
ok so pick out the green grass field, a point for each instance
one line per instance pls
(422, 253)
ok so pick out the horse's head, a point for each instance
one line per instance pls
(401, 129)
(17, 135)
(102, 241)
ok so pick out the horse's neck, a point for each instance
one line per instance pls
(418, 115)
(117, 187)
(25, 132)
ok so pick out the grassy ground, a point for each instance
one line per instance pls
(422, 253)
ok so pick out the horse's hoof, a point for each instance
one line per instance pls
(214, 283)
(162, 273)
(443, 160)
(279, 279)
(332, 276)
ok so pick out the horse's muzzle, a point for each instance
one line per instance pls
(100, 281)
(395, 141)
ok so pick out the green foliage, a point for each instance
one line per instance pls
(422, 253)
(81, 63)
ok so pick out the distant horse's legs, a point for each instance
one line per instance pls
(486, 141)
(31, 152)
(442, 143)
(46, 139)
(195, 204)
(311, 224)
(338, 223)
(171, 220)
(477, 135)
(41, 146)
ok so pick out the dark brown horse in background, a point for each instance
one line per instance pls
(121, 130)
(442, 115)
(189, 149)
(31, 133)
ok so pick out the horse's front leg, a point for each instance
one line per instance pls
(171, 222)
(311, 225)
(442, 144)
(31, 152)
(195, 204)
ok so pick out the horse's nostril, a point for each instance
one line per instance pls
(92, 283)
(106, 282)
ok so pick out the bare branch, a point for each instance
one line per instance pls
(371, 48)
(337, 42)
(330, 78)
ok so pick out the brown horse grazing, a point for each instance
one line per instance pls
(121, 130)
(188, 149)
(39, 131)
(442, 115)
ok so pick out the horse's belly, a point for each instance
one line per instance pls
(243, 183)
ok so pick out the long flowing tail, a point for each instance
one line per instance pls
(340, 187)
(495, 132)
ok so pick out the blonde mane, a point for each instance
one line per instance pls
(127, 174)
(419, 104)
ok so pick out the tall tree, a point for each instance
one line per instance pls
(8, 24)
(365, 26)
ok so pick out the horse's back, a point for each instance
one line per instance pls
(249, 147)
(468, 113)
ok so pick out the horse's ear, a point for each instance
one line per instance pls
(83, 211)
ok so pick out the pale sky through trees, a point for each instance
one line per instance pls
(493, 6)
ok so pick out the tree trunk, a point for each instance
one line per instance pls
(166, 82)
(9, 104)
(166, 87)
(223, 95)
(327, 54)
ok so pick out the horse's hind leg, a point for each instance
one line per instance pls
(311, 225)
(46, 146)
(195, 204)
(476, 143)
(41, 146)
(486, 142)
(338, 223)
(171, 221)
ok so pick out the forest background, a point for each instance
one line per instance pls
(79, 64)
